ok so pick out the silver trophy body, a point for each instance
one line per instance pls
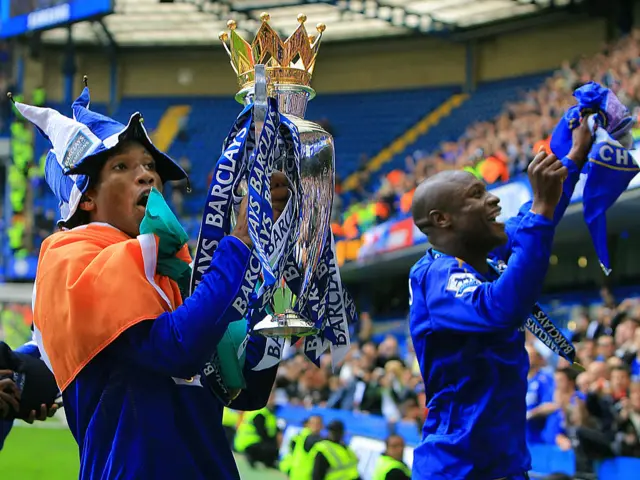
(317, 172)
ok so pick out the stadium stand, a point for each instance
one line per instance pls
(586, 425)
(493, 134)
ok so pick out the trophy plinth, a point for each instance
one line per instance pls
(287, 324)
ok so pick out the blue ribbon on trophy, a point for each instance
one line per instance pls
(232, 168)
(292, 287)
(612, 160)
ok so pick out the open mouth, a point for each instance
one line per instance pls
(143, 199)
(494, 216)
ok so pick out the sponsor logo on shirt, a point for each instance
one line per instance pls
(462, 283)
(77, 149)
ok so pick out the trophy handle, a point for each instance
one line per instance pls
(259, 99)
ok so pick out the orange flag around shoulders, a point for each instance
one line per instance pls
(92, 283)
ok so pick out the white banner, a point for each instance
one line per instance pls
(367, 450)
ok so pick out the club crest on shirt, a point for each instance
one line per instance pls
(189, 382)
(501, 266)
(462, 283)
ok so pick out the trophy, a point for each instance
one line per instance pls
(272, 68)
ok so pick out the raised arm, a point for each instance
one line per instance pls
(457, 300)
(179, 343)
(574, 162)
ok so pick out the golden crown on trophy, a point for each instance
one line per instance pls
(288, 62)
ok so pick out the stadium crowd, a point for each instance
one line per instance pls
(595, 412)
(499, 149)
(495, 150)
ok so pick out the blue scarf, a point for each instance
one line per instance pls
(611, 165)
(538, 322)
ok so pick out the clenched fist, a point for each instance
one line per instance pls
(546, 174)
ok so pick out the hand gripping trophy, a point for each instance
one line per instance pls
(292, 288)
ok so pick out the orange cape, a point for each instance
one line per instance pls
(92, 283)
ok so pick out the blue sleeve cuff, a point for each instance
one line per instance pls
(571, 165)
(538, 219)
(238, 245)
(29, 348)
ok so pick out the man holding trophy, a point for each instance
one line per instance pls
(146, 346)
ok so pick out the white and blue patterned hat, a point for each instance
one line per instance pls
(78, 141)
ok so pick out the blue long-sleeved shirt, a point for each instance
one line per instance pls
(539, 391)
(131, 410)
(468, 334)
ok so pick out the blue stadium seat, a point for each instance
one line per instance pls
(620, 469)
(484, 104)
(363, 123)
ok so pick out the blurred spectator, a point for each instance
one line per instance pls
(539, 395)
(605, 347)
(331, 457)
(390, 465)
(258, 436)
(294, 463)
(388, 351)
(628, 431)
(600, 325)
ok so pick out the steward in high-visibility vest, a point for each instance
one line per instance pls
(332, 459)
(287, 460)
(390, 465)
(257, 437)
(296, 462)
(230, 420)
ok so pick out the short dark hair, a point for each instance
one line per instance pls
(622, 368)
(569, 372)
(391, 437)
(336, 426)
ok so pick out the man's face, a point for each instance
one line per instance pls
(598, 370)
(369, 350)
(620, 381)
(535, 359)
(473, 214)
(583, 382)
(606, 347)
(395, 447)
(315, 425)
(120, 196)
(588, 349)
(562, 382)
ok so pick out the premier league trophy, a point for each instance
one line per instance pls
(292, 285)
(272, 68)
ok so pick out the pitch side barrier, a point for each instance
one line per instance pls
(366, 434)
